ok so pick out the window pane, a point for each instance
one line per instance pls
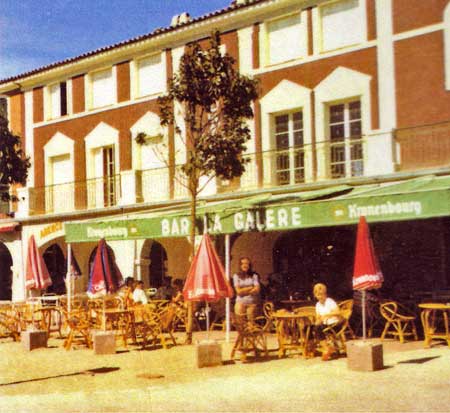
(298, 120)
(355, 129)
(54, 101)
(281, 123)
(286, 40)
(336, 19)
(282, 141)
(63, 98)
(355, 110)
(336, 113)
(337, 132)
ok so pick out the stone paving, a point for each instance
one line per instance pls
(54, 380)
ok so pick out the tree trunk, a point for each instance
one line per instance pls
(193, 186)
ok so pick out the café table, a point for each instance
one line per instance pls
(434, 317)
(293, 332)
(120, 321)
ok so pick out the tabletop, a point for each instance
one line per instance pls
(435, 306)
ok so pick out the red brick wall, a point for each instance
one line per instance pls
(123, 81)
(419, 73)
(38, 104)
(412, 14)
(371, 20)
(78, 94)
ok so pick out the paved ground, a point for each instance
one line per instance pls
(54, 380)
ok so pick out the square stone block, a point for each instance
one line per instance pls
(32, 339)
(104, 342)
(364, 356)
(209, 353)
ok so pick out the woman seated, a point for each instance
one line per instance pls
(327, 314)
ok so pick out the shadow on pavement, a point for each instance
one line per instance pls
(90, 372)
(419, 360)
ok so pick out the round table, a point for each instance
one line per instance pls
(434, 317)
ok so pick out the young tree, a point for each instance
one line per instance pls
(13, 163)
(215, 103)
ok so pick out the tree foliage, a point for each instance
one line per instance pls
(13, 163)
(216, 102)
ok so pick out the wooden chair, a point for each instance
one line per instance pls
(397, 324)
(49, 319)
(250, 338)
(266, 321)
(79, 327)
(9, 323)
(339, 331)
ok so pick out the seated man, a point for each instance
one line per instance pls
(327, 314)
(139, 296)
(165, 292)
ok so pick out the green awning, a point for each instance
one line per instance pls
(420, 198)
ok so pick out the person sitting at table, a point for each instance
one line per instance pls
(126, 292)
(139, 296)
(177, 296)
(327, 314)
(165, 291)
(247, 287)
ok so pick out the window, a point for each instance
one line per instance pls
(337, 18)
(56, 100)
(105, 170)
(103, 90)
(345, 140)
(151, 75)
(290, 162)
(286, 39)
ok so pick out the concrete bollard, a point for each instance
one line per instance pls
(364, 356)
(209, 353)
(104, 342)
(32, 339)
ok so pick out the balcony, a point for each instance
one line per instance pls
(264, 170)
(423, 147)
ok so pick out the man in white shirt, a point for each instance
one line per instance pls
(139, 296)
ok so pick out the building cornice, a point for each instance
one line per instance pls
(229, 18)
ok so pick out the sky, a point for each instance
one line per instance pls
(34, 33)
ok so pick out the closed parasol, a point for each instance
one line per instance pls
(37, 276)
(105, 276)
(367, 274)
(206, 278)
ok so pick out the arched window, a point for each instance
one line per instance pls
(56, 265)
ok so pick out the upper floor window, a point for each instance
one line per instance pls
(286, 39)
(56, 100)
(346, 146)
(343, 24)
(290, 156)
(103, 88)
(151, 75)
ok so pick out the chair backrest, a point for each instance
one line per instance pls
(346, 308)
(268, 309)
(389, 310)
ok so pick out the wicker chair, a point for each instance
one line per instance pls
(399, 323)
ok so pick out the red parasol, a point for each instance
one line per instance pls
(367, 274)
(105, 276)
(206, 278)
(37, 276)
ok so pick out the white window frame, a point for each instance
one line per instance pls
(135, 76)
(291, 151)
(318, 26)
(347, 141)
(89, 88)
(264, 40)
(48, 101)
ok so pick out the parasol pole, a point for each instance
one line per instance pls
(69, 278)
(364, 314)
(227, 274)
(205, 231)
